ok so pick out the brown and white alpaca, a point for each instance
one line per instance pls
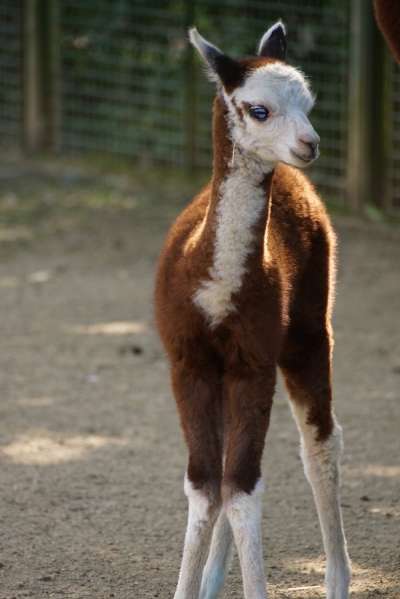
(245, 284)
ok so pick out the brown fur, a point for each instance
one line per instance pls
(239, 70)
(387, 13)
(224, 378)
(239, 110)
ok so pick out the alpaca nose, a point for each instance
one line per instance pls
(312, 148)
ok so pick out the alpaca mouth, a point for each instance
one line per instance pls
(306, 159)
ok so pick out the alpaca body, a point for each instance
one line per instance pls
(284, 255)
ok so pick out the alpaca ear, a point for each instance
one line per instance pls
(273, 42)
(220, 66)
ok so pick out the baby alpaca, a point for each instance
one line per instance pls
(245, 285)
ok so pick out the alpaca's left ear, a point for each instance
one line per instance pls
(273, 42)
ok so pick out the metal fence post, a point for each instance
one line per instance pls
(365, 147)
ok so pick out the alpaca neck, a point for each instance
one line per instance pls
(236, 222)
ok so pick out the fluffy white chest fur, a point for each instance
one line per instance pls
(241, 202)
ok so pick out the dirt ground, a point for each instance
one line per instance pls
(92, 458)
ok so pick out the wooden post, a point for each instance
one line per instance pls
(364, 168)
(33, 125)
(41, 60)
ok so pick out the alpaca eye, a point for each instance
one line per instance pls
(259, 112)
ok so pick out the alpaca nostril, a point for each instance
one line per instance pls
(312, 147)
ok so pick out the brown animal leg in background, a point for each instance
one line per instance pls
(387, 13)
(307, 372)
(248, 402)
(199, 403)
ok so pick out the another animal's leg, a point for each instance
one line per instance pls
(306, 366)
(218, 558)
(197, 392)
(249, 400)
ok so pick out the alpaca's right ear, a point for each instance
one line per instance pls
(220, 66)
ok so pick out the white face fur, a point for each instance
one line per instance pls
(280, 90)
(287, 133)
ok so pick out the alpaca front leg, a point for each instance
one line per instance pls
(201, 518)
(218, 558)
(249, 400)
(198, 401)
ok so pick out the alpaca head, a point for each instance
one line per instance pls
(267, 100)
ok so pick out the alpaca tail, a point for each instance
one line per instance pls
(387, 13)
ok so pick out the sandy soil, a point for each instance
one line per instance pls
(92, 460)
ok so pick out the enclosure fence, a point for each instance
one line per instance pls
(118, 76)
(11, 96)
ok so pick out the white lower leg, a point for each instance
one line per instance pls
(218, 558)
(321, 466)
(197, 539)
(244, 514)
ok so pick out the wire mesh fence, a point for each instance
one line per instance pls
(10, 72)
(318, 44)
(125, 81)
(125, 72)
(126, 69)
(122, 78)
(393, 158)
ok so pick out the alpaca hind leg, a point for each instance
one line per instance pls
(308, 378)
(219, 558)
